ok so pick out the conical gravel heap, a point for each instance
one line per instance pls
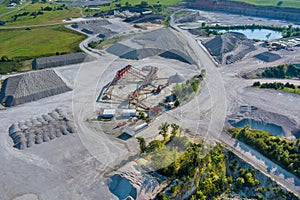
(31, 87)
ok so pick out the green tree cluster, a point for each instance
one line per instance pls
(282, 71)
(282, 151)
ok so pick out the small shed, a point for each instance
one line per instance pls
(128, 131)
(108, 113)
(140, 127)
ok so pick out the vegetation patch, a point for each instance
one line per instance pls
(185, 91)
(290, 88)
(154, 5)
(195, 170)
(279, 150)
(18, 45)
(281, 71)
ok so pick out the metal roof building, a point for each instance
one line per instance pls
(60, 60)
(108, 113)
(129, 112)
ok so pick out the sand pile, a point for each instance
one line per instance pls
(41, 129)
(31, 87)
(229, 47)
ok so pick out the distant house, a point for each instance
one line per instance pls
(12, 5)
(60, 60)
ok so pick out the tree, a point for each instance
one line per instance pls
(256, 84)
(155, 145)
(240, 181)
(279, 3)
(142, 143)
(174, 131)
(164, 127)
(4, 59)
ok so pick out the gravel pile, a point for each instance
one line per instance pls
(267, 56)
(237, 45)
(164, 42)
(41, 129)
(31, 87)
(95, 26)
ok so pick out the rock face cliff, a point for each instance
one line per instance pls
(290, 14)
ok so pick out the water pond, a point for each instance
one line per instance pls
(259, 125)
(260, 34)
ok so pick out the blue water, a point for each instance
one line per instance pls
(260, 34)
(270, 128)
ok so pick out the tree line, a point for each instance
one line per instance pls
(284, 152)
(282, 71)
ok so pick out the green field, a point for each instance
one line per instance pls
(112, 5)
(48, 17)
(38, 41)
(285, 3)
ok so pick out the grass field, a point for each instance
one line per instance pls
(48, 17)
(38, 41)
(285, 3)
(135, 2)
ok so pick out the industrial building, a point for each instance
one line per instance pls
(108, 113)
(60, 60)
(129, 112)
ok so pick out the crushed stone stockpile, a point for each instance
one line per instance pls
(229, 47)
(164, 42)
(31, 87)
(41, 129)
(267, 56)
(95, 26)
(132, 182)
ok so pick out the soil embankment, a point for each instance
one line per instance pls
(290, 14)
